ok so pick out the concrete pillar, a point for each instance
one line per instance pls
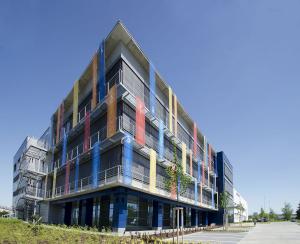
(120, 213)
(157, 222)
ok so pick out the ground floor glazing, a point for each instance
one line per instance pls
(123, 209)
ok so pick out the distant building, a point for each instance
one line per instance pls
(238, 199)
(29, 167)
(224, 184)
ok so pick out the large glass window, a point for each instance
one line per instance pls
(139, 212)
(96, 211)
(74, 215)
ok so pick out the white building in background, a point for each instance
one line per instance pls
(238, 199)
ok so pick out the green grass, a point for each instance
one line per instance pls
(13, 231)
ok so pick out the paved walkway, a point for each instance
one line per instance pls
(274, 233)
(268, 233)
(214, 237)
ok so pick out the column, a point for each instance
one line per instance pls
(170, 111)
(191, 162)
(101, 71)
(64, 149)
(195, 140)
(54, 182)
(120, 213)
(161, 140)
(95, 164)
(57, 125)
(140, 122)
(152, 183)
(67, 178)
(75, 104)
(157, 221)
(112, 112)
(94, 80)
(183, 161)
(127, 157)
(51, 132)
(196, 191)
(152, 88)
(76, 174)
(175, 115)
(87, 131)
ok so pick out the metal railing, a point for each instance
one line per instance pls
(112, 175)
(78, 150)
(82, 113)
(108, 176)
(34, 166)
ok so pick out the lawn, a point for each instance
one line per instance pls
(13, 231)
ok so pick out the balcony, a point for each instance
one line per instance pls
(116, 176)
(29, 192)
(36, 168)
(99, 136)
(115, 79)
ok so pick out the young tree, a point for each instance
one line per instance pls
(298, 212)
(255, 216)
(224, 203)
(176, 177)
(287, 211)
(272, 215)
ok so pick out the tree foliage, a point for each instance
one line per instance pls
(263, 214)
(176, 177)
(224, 203)
(298, 212)
(272, 215)
(224, 200)
(3, 212)
(287, 211)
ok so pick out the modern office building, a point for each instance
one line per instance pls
(225, 184)
(240, 215)
(111, 139)
(29, 167)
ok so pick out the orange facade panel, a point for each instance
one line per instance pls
(112, 111)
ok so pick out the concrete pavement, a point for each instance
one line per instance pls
(267, 233)
(275, 233)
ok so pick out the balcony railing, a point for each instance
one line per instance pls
(30, 191)
(82, 113)
(78, 150)
(33, 166)
(115, 175)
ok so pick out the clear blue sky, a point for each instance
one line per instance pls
(234, 65)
